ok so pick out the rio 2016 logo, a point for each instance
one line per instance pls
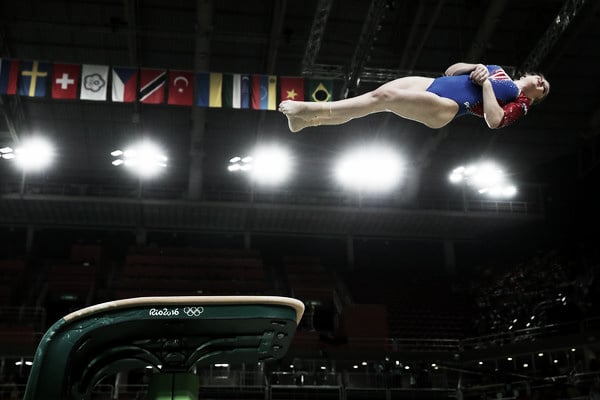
(163, 312)
(192, 311)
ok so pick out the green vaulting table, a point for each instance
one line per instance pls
(173, 334)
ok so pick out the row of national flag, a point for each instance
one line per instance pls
(156, 86)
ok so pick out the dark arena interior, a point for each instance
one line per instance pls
(431, 288)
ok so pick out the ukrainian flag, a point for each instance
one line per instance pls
(208, 89)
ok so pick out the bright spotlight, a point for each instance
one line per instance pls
(486, 178)
(371, 169)
(34, 154)
(146, 159)
(456, 177)
(270, 165)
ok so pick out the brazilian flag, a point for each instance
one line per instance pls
(320, 90)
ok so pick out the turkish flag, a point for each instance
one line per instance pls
(292, 88)
(181, 88)
(65, 81)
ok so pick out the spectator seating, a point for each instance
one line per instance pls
(170, 271)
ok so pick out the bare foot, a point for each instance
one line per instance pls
(296, 109)
(297, 124)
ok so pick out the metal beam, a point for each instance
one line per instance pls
(204, 9)
(412, 34)
(588, 18)
(485, 31)
(371, 27)
(276, 28)
(130, 9)
(279, 7)
(569, 11)
(313, 45)
(424, 37)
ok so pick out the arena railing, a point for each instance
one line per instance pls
(273, 196)
(35, 317)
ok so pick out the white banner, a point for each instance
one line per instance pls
(94, 82)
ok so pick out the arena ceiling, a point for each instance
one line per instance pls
(359, 44)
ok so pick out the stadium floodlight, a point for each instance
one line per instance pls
(269, 164)
(145, 159)
(369, 169)
(238, 163)
(485, 178)
(34, 154)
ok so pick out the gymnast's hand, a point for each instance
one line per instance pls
(479, 74)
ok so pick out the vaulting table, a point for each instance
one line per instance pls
(175, 335)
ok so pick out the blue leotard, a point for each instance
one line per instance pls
(469, 96)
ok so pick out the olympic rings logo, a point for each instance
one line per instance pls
(193, 311)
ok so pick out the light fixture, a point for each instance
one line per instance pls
(33, 154)
(485, 178)
(240, 164)
(145, 159)
(369, 169)
(269, 164)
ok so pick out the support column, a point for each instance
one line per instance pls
(247, 240)
(201, 63)
(29, 239)
(449, 257)
(141, 236)
(183, 386)
(350, 251)
(589, 357)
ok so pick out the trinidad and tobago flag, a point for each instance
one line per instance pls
(152, 86)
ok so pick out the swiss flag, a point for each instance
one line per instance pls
(181, 88)
(292, 88)
(65, 81)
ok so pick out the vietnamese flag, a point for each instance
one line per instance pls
(65, 81)
(292, 88)
(181, 88)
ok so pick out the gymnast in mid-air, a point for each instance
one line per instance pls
(485, 91)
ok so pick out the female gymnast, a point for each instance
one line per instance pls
(485, 91)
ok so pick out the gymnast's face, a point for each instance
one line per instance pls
(535, 86)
